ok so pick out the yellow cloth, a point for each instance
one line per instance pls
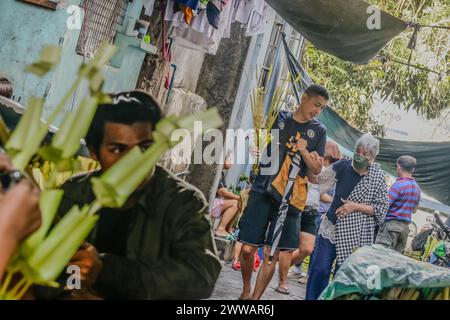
(299, 190)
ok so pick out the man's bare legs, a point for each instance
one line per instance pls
(247, 262)
(265, 273)
(289, 258)
(284, 262)
(237, 250)
(305, 249)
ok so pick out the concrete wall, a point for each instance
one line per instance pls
(25, 29)
(218, 84)
(182, 102)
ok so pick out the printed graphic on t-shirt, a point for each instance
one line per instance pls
(299, 190)
(290, 133)
(292, 145)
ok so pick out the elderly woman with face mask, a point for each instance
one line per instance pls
(360, 203)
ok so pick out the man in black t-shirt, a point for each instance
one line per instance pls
(299, 132)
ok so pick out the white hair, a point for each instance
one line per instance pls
(369, 143)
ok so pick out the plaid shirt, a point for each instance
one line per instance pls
(358, 229)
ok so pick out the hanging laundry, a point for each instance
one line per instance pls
(176, 7)
(187, 13)
(193, 4)
(207, 28)
(257, 19)
(148, 5)
(213, 10)
(202, 5)
(243, 11)
(179, 15)
(176, 18)
(228, 18)
(200, 35)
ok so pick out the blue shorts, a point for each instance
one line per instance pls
(257, 224)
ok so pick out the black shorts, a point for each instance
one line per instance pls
(309, 221)
(257, 224)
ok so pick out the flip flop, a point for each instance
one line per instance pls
(225, 236)
(231, 237)
(282, 290)
(221, 236)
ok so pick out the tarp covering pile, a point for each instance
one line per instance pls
(371, 269)
(347, 29)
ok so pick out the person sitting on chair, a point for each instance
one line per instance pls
(226, 205)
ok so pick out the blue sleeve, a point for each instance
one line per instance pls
(394, 193)
(339, 166)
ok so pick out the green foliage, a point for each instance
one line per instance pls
(353, 87)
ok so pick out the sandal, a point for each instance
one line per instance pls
(225, 236)
(282, 290)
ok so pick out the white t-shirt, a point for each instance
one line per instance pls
(243, 10)
(257, 20)
(313, 197)
(148, 5)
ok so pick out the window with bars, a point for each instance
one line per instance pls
(274, 42)
(296, 43)
(102, 18)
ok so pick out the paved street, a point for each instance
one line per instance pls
(229, 286)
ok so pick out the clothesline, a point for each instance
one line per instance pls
(415, 25)
(384, 59)
(437, 27)
(204, 30)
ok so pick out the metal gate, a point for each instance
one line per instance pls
(102, 18)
